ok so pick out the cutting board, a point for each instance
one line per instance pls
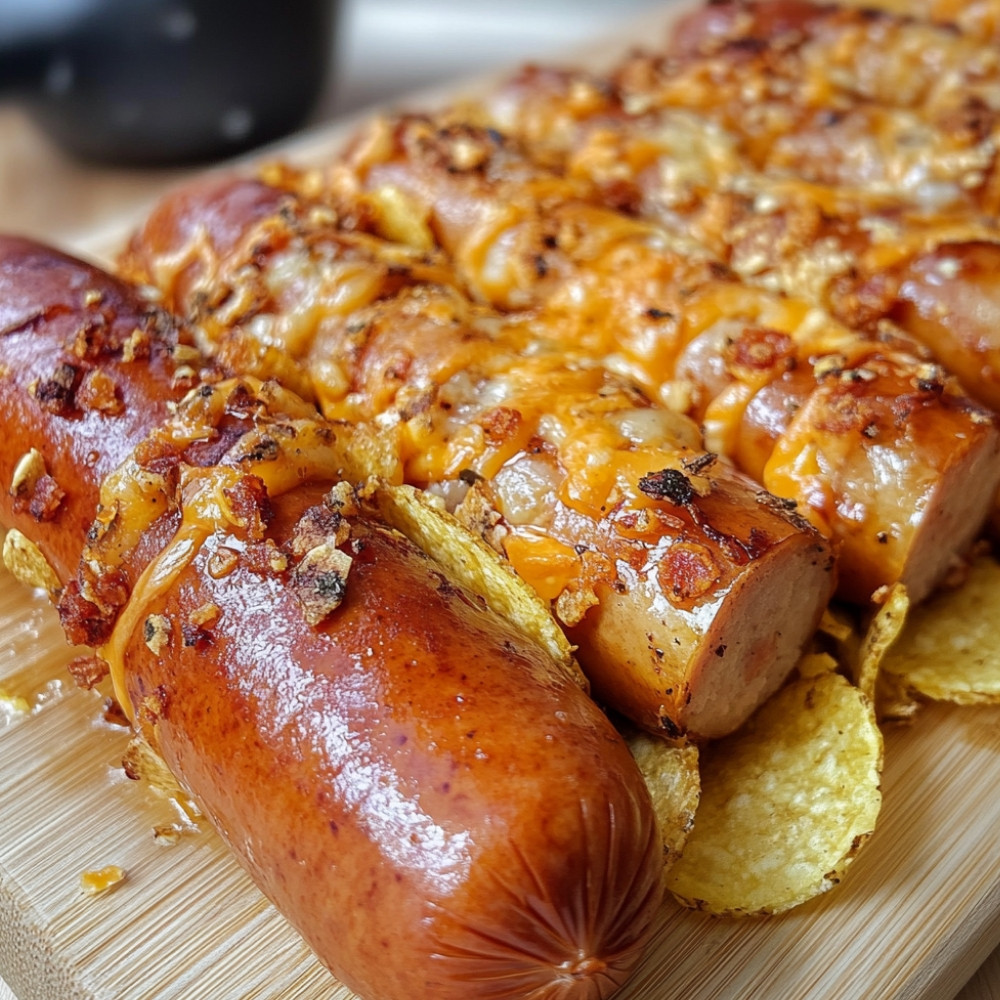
(918, 913)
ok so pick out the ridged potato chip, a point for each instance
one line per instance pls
(860, 649)
(674, 781)
(950, 647)
(786, 803)
(883, 631)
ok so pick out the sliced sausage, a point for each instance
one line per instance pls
(650, 550)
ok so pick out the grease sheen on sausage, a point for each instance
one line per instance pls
(901, 505)
(423, 791)
(666, 567)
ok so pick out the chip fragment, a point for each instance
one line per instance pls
(672, 776)
(786, 803)
(859, 649)
(26, 563)
(883, 630)
(94, 883)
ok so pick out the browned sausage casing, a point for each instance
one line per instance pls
(668, 569)
(902, 488)
(430, 798)
(950, 299)
(68, 390)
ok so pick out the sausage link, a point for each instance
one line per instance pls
(422, 789)
(635, 295)
(980, 19)
(103, 372)
(666, 567)
(948, 298)
(875, 211)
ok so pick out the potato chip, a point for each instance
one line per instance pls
(674, 782)
(26, 563)
(840, 635)
(894, 699)
(950, 649)
(427, 524)
(839, 624)
(883, 630)
(814, 664)
(859, 652)
(786, 803)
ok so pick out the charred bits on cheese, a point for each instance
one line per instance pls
(319, 579)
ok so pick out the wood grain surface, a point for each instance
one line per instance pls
(917, 915)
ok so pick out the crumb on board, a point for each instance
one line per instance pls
(167, 834)
(101, 880)
(12, 705)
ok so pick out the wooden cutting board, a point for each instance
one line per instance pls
(918, 913)
(916, 916)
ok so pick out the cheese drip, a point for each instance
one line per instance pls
(286, 446)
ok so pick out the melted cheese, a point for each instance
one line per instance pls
(308, 450)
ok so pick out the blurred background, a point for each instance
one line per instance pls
(90, 78)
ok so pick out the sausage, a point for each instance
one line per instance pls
(634, 294)
(424, 790)
(891, 439)
(846, 242)
(666, 568)
(948, 298)
(145, 365)
(981, 20)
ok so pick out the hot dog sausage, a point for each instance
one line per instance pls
(665, 566)
(107, 359)
(864, 249)
(636, 296)
(948, 298)
(424, 791)
(981, 19)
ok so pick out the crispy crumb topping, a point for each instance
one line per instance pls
(319, 581)
(156, 633)
(29, 469)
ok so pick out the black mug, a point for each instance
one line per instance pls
(158, 82)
